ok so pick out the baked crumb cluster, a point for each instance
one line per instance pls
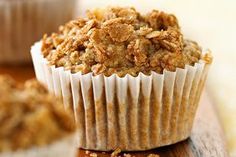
(122, 41)
(116, 153)
(30, 116)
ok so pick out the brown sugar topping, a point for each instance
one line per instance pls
(122, 41)
(30, 116)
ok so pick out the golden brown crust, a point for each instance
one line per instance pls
(30, 116)
(122, 41)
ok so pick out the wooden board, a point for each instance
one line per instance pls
(207, 139)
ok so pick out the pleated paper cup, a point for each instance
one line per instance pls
(25, 21)
(61, 148)
(130, 113)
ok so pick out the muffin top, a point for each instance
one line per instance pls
(30, 116)
(120, 41)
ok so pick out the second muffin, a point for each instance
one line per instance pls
(33, 122)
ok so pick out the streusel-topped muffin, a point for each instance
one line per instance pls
(133, 80)
(31, 119)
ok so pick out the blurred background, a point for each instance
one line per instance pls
(212, 23)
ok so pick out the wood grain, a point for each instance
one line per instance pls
(207, 139)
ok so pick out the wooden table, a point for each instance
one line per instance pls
(207, 139)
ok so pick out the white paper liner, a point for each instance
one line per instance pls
(61, 148)
(131, 113)
(25, 21)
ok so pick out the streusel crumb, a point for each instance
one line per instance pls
(122, 41)
(153, 155)
(116, 152)
(30, 116)
(127, 155)
(93, 155)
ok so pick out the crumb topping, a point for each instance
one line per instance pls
(122, 41)
(30, 116)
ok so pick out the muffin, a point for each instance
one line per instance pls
(24, 21)
(33, 122)
(133, 81)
